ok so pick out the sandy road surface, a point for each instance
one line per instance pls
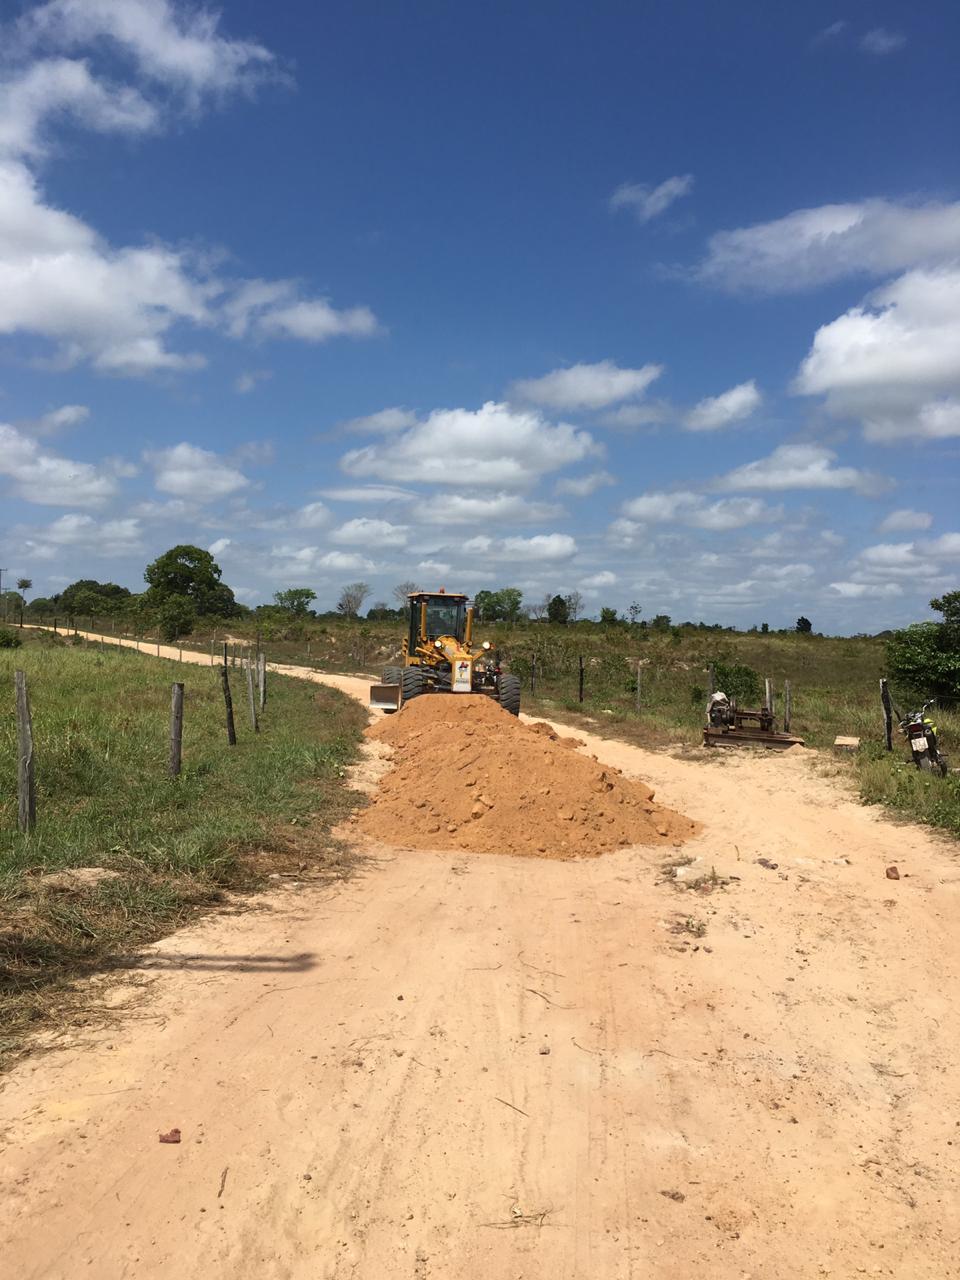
(788, 1076)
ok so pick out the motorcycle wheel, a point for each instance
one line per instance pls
(925, 764)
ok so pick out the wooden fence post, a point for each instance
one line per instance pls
(26, 788)
(581, 677)
(887, 714)
(768, 694)
(712, 677)
(251, 698)
(176, 729)
(787, 706)
(262, 678)
(639, 660)
(227, 699)
(533, 674)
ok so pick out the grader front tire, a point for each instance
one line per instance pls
(509, 694)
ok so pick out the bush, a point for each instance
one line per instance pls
(925, 659)
(739, 682)
(9, 639)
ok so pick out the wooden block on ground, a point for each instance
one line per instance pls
(846, 744)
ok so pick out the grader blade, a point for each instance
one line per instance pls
(385, 697)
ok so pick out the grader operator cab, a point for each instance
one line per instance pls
(440, 656)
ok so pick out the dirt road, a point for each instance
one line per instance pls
(757, 1081)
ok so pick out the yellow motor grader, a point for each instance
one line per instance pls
(440, 656)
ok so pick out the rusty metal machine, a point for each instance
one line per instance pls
(731, 726)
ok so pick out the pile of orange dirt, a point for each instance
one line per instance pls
(467, 775)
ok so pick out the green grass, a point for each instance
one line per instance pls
(104, 799)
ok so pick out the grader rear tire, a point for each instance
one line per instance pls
(508, 694)
(391, 675)
(412, 683)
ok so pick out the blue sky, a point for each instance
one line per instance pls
(656, 303)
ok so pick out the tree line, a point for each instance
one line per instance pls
(185, 586)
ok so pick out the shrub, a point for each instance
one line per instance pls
(9, 639)
(739, 682)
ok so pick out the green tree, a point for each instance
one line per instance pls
(633, 613)
(498, 606)
(948, 605)
(925, 658)
(176, 617)
(764, 628)
(89, 596)
(24, 584)
(661, 622)
(804, 625)
(608, 617)
(558, 610)
(295, 600)
(190, 571)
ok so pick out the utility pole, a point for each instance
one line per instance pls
(2, 572)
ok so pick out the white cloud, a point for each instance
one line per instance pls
(49, 424)
(46, 478)
(436, 567)
(719, 411)
(369, 493)
(880, 41)
(313, 516)
(542, 546)
(904, 520)
(112, 307)
(906, 564)
(495, 445)
(60, 87)
(479, 545)
(832, 31)
(630, 417)
(176, 45)
(364, 532)
(288, 560)
(345, 562)
(471, 508)
(383, 422)
(103, 538)
(596, 581)
(894, 361)
(801, 466)
(246, 382)
(584, 486)
(862, 590)
(585, 386)
(274, 309)
(191, 472)
(693, 509)
(649, 202)
(118, 307)
(218, 547)
(813, 247)
(624, 534)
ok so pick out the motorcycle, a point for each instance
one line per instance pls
(921, 734)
